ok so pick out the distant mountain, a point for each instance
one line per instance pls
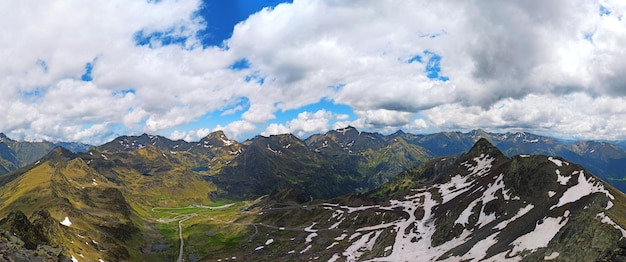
(377, 157)
(91, 216)
(621, 144)
(362, 160)
(368, 159)
(74, 146)
(15, 154)
(478, 206)
(127, 199)
(603, 159)
(104, 199)
(328, 165)
(284, 161)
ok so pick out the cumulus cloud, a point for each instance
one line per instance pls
(306, 123)
(562, 116)
(191, 135)
(235, 129)
(554, 67)
(529, 54)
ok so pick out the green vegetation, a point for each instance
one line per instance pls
(132, 200)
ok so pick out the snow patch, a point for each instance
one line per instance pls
(551, 256)
(563, 180)
(342, 237)
(361, 208)
(358, 248)
(66, 222)
(519, 214)
(556, 161)
(464, 216)
(227, 142)
(457, 185)
(272, 150)
(482, 167)
(485, 218)
(306, 249)
(551, 193)
(334, 258)
(540, 236)
(608, 220)
(585, 186)
(490, 193)
(310, 237)
(310, 228)
(479, 250)
(355, 235)
(269, 241)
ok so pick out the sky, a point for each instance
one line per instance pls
(89, 71)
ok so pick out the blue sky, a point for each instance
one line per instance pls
(90, 71)
(221, 17)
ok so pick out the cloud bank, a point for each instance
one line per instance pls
(87, 71)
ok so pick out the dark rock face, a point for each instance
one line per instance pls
(41, 231)
(476, 206)
(13, 248)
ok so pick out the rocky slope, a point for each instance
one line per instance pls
(15, 154)
(480, 206)
(121, 201)
(73, 207)
(363, 160)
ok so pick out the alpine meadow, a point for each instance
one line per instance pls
(313, 130)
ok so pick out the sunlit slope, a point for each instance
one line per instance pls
(95, 218)
(480, 205)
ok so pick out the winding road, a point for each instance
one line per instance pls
(181, 219)
(182, 241)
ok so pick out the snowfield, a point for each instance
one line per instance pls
(409, 237)
(585, 186)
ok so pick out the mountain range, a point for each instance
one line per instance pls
(15, 154)
(130, 198)
(369, 158)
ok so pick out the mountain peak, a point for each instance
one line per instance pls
(58, 154)
(480, 133)
(217, 138)
(216, 133)
(399, 133)
(347, 130)
(483, 146)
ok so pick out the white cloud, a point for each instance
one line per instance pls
(306, 123)
(235, 129)
(603, 118)
(556, 67)
(52, 42)
(191, 135)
